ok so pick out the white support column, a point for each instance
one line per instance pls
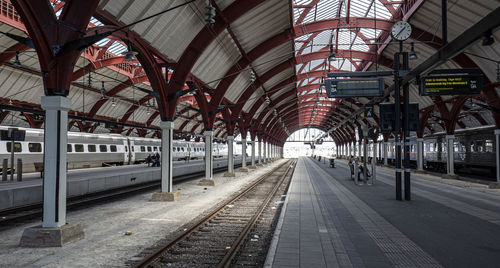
(450, 164)
(264, 156)
(54, 157)
(253, 153)
(230, 154)
(209, 171)
(243, 153)
(348, 149)
(420, 154)
(167, 134)
(260, 152)
(497, 138)
(386, 160)
(360, 152)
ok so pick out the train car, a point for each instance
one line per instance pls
(86, 150)
(473, 148)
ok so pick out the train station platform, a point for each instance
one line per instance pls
(91, 180)
(117, 233)
(328, 221)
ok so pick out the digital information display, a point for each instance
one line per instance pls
(451, 85)
(348, 88)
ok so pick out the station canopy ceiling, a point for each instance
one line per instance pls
(265, 66)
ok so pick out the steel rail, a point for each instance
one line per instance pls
(155, 255)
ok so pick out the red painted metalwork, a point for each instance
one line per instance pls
(48, 31)
(9, 53)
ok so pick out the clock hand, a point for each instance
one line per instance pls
(397, 35)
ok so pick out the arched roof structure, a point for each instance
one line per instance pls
(259, 67)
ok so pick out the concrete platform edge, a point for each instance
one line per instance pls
(276, 236)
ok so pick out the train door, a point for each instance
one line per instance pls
(126, 153)
(131, 151)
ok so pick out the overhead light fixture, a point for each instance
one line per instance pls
(252, 76)
(103, 90)
(488, 39)
(113, 102)
(210, 13)
(413, 55)
(268, 101)
(129, 54)
(148, 112)
(16, 62)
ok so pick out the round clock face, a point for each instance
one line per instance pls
(401, 30)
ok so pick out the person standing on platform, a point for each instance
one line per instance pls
(157, 158)
(149, 159)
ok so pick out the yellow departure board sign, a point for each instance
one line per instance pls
(451, 85)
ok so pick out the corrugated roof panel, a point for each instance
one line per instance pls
(261, 23)
(278, 78)
(271, 58)
(253, 98)
(216, 60)
(239, 85)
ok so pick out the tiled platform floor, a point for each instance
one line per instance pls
(330, 222)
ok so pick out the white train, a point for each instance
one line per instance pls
(92, 150)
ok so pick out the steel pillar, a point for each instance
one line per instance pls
(230, 154)
(420, 154)
(167, 134)
(497, 138)
(385, 153)
(54, 178)
(209, 171)
(450, 164)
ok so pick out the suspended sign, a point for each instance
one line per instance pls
(360, 87)
(451, 85)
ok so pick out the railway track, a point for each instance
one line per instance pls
(225, 236)
(29, 212)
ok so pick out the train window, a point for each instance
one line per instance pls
(103, 148)
(34, 147)
(143, 149)
(69, 149)
(479, 146)
(489, 146)
(159, 148)
(149, 149)
(132, 148)
(126, 148)
(182, 149)
(79, 148)
(91, 148)
(17, 147)
(155, 148)
(112, 148)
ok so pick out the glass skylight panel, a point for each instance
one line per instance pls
(102, 42)
(327, 9)
(315, 63)
(96, 22)
(117, 48)
(382, 11)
